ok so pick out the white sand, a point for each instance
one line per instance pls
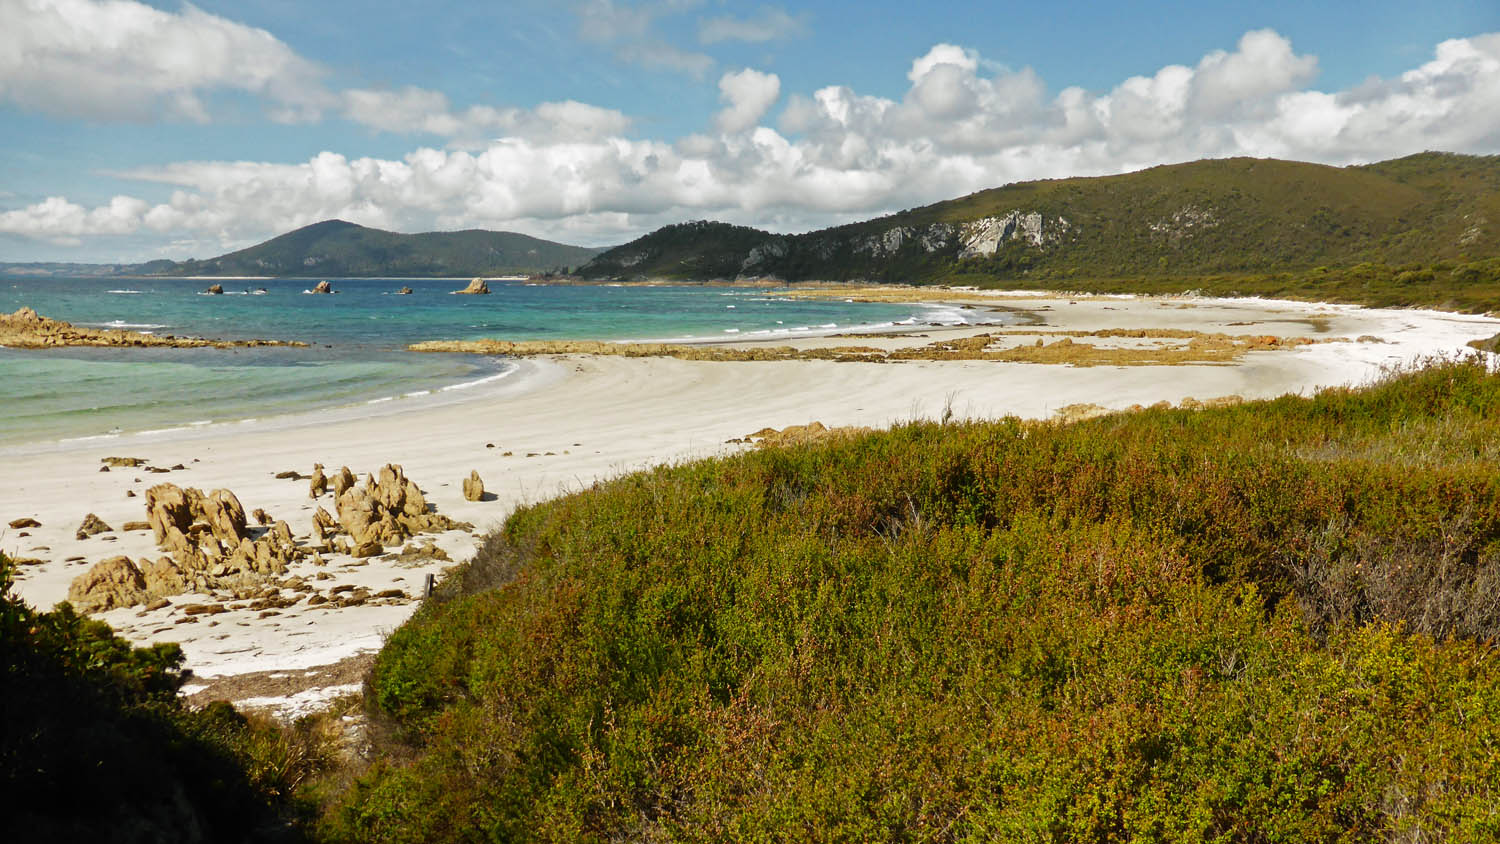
(604, 416)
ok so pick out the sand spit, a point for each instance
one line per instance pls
(26, 329)
(1163, 347)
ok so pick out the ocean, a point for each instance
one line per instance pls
(357, 338)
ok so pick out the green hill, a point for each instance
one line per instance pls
(1229, 216)
(1271, 622)
(337, 248)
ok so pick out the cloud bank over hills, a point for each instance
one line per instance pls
(786, 160)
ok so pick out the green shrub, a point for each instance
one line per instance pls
(96, 746)
(1260, 623)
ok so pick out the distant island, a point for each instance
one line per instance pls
(335, 248)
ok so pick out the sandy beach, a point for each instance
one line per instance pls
(562, 422)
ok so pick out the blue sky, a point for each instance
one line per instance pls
(130, 131)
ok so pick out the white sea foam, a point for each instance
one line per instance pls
(120, 323)
(125, 292)
(488, 379)
(110, 436)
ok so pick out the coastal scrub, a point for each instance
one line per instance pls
(1268, 622)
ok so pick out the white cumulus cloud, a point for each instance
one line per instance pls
(747, 94)
(566, 170)
(124, 60)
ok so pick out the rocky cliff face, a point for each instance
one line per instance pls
(976, 238)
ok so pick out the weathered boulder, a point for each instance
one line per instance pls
(167, 506)
(405, 291)
(23, 523)
(357, 514)
(123, 462)
(114, 582)
(342, 481)
(324, 524)
(322, 287)
(215, 290)
(225, 517)
(91, 526)
(318, 483)
(476, 287)
(134, 526)
(473, 487)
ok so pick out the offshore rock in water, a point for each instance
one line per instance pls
(405, 291)
(475, 288)
(322, 287)
(215, 290)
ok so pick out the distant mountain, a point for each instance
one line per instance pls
(63, 268)
(1238, 215)
(340, 249)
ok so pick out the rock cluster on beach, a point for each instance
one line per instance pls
(476, 287)
(26, 329)
(209, 544)
(385, 511)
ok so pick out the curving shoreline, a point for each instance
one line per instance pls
(591, 417)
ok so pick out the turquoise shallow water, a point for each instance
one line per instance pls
(358, 339)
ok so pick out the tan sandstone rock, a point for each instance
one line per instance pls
(476, 287)
(473, 487)
(342, 481)
(91, 526)
(114, 582)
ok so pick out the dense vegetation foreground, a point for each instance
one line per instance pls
(1273, 622)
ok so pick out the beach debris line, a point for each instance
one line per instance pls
(26, 329)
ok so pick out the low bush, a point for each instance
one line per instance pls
(1270, 622)
(95, 744)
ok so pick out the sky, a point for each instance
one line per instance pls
(131, 131)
